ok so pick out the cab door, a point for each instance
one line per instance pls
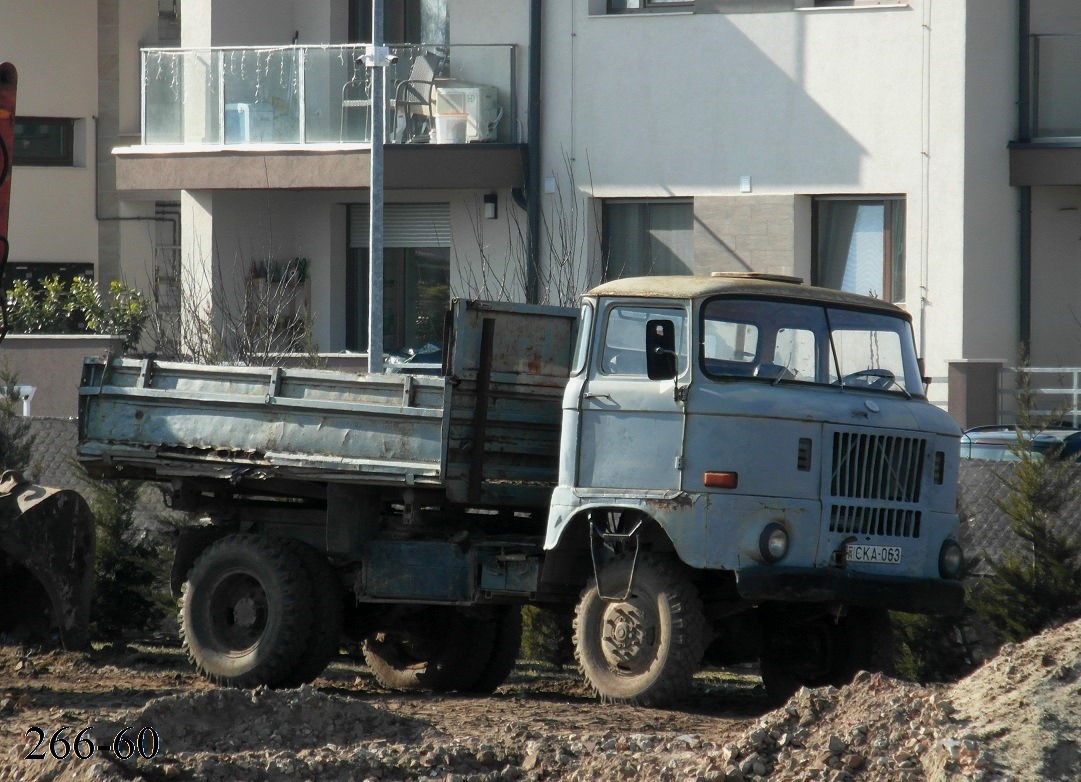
(631, 433)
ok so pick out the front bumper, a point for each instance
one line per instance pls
(838, 585)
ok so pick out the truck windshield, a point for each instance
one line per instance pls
(794, 342)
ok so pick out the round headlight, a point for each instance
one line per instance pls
(773, 543)
(951, 559)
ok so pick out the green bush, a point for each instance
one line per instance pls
(930, 648)
(16, 441)
(130, 569)
(1037, 583)
(546, 636)
(78, 307)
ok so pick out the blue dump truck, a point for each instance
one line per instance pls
(702, 469)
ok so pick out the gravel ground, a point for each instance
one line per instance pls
(1017, 718)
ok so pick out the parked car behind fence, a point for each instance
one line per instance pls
(1004, 443)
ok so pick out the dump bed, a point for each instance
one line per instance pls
(487, 432)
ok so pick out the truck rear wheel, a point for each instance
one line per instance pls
(245, 611)
(643, 650)
(327, 617)
(825, 651)
(508, 641)
(438, 648)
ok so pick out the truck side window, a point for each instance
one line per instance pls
(624, 351)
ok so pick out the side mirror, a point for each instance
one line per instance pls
(923, 374)
(661, 356)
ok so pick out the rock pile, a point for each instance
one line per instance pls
(876, 729)
(1018, 718)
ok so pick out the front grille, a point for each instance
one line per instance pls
(877, 467)
(861, 520)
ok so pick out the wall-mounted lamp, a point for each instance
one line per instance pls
(491, 206)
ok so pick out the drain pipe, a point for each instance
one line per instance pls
(1024, 133)
(533, 172)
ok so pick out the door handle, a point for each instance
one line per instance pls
(590, 395)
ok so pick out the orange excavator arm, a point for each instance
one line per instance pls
(9, 84)
(46, 535)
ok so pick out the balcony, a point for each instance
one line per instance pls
(237, 117)
(1052, 156)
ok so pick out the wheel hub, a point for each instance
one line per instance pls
(238, 612)
(244, 614)
(629, 635)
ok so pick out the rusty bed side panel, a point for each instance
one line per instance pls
(190, 419)
(513, 394)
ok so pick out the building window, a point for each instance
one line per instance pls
(416, 276)
(844, 3)
(859, 246)
(44, 141)
(416, 293)
(642, 238)
(34, 273)
(406, 21)
(648, 6)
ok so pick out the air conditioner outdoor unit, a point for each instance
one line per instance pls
(466, 112)
(248, 122)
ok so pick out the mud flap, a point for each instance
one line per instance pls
(50, 533)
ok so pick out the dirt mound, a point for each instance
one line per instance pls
(1026, 704)
(228, 720)
(877, 729)
(1017, 718)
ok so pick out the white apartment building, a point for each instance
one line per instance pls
(923, 151)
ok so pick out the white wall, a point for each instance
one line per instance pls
(1056, 276)
(138, 29)
(253, 22)
(54, 48)
(324, 22)
(991, 253)
(684, 104)
(235, 228)
(199, 263)
(1055, 16)
(826, 102)
(936, 239)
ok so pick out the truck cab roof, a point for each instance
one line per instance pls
(773, 286)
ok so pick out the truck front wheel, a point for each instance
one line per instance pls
(644, 649)
(245, 611)
(438, 648)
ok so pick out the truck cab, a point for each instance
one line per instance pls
(772, 443)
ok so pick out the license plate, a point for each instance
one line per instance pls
(858, 553)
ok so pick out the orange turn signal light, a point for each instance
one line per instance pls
(721, 480)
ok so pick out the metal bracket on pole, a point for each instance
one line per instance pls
(378, 57)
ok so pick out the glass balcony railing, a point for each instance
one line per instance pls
(320, 95)
(1056, 86)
